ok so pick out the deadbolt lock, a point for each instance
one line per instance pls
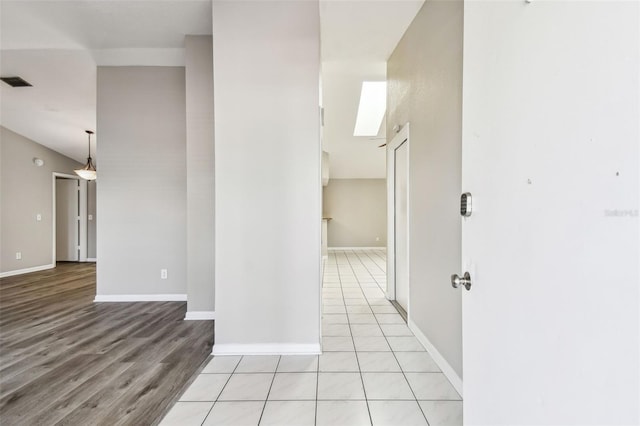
(465, 204)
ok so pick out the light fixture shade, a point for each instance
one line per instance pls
(88, 172)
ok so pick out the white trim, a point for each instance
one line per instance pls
(400, 138)
(446, 368)
(200, 315)
(357, 248)
(140, 298)
(266, 349)
(27, 270)
(92, 259)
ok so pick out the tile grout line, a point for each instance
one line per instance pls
(375, 262)
(315, 417)
(266, 399)
(395, 357)
(352, 339)
(370, 258)
(368, 270)
(355, 352)
(221, 389)
(307, 400)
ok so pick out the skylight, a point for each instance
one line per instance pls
(373, 104)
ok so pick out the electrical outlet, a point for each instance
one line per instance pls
(90, 217)
(163, 274)
(377, 238)
(38, 217)
(18, 255)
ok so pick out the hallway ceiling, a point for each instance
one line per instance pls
(56, 45)
(358, 36)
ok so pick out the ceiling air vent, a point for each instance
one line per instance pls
(15, 81)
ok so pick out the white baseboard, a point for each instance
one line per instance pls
(358, 248)
(140, 298)
(199, 315)
(27, 270)
(448, 371)
(92, 259)
(266, 349)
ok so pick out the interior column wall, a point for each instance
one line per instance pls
(267, 171)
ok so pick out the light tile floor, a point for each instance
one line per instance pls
(372, 371)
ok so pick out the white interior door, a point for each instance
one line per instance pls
(551, 158)
(401, 218)
(67, 220)
(398, 218)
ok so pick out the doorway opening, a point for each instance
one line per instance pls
(69, 219)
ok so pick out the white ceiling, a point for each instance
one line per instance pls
(102, 24)
(350, 156)
(57, 44)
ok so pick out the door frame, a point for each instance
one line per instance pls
(401, 137)
(82, 200)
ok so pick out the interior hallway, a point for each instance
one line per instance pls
(372, 370)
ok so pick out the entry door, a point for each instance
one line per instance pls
(551, 158)
(67, 220)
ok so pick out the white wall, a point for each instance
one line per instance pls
(552, 151)
(358, 212)
(200, 176)
(425, 88)
(267, 171)
(142, 189)
(26, 190)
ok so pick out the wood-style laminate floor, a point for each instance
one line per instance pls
(66, 360)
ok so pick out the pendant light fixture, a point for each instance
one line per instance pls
(88, 172)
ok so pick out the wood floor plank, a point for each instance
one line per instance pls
(60, 408)
(15, 406)
(67, 360)
(100, 407)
